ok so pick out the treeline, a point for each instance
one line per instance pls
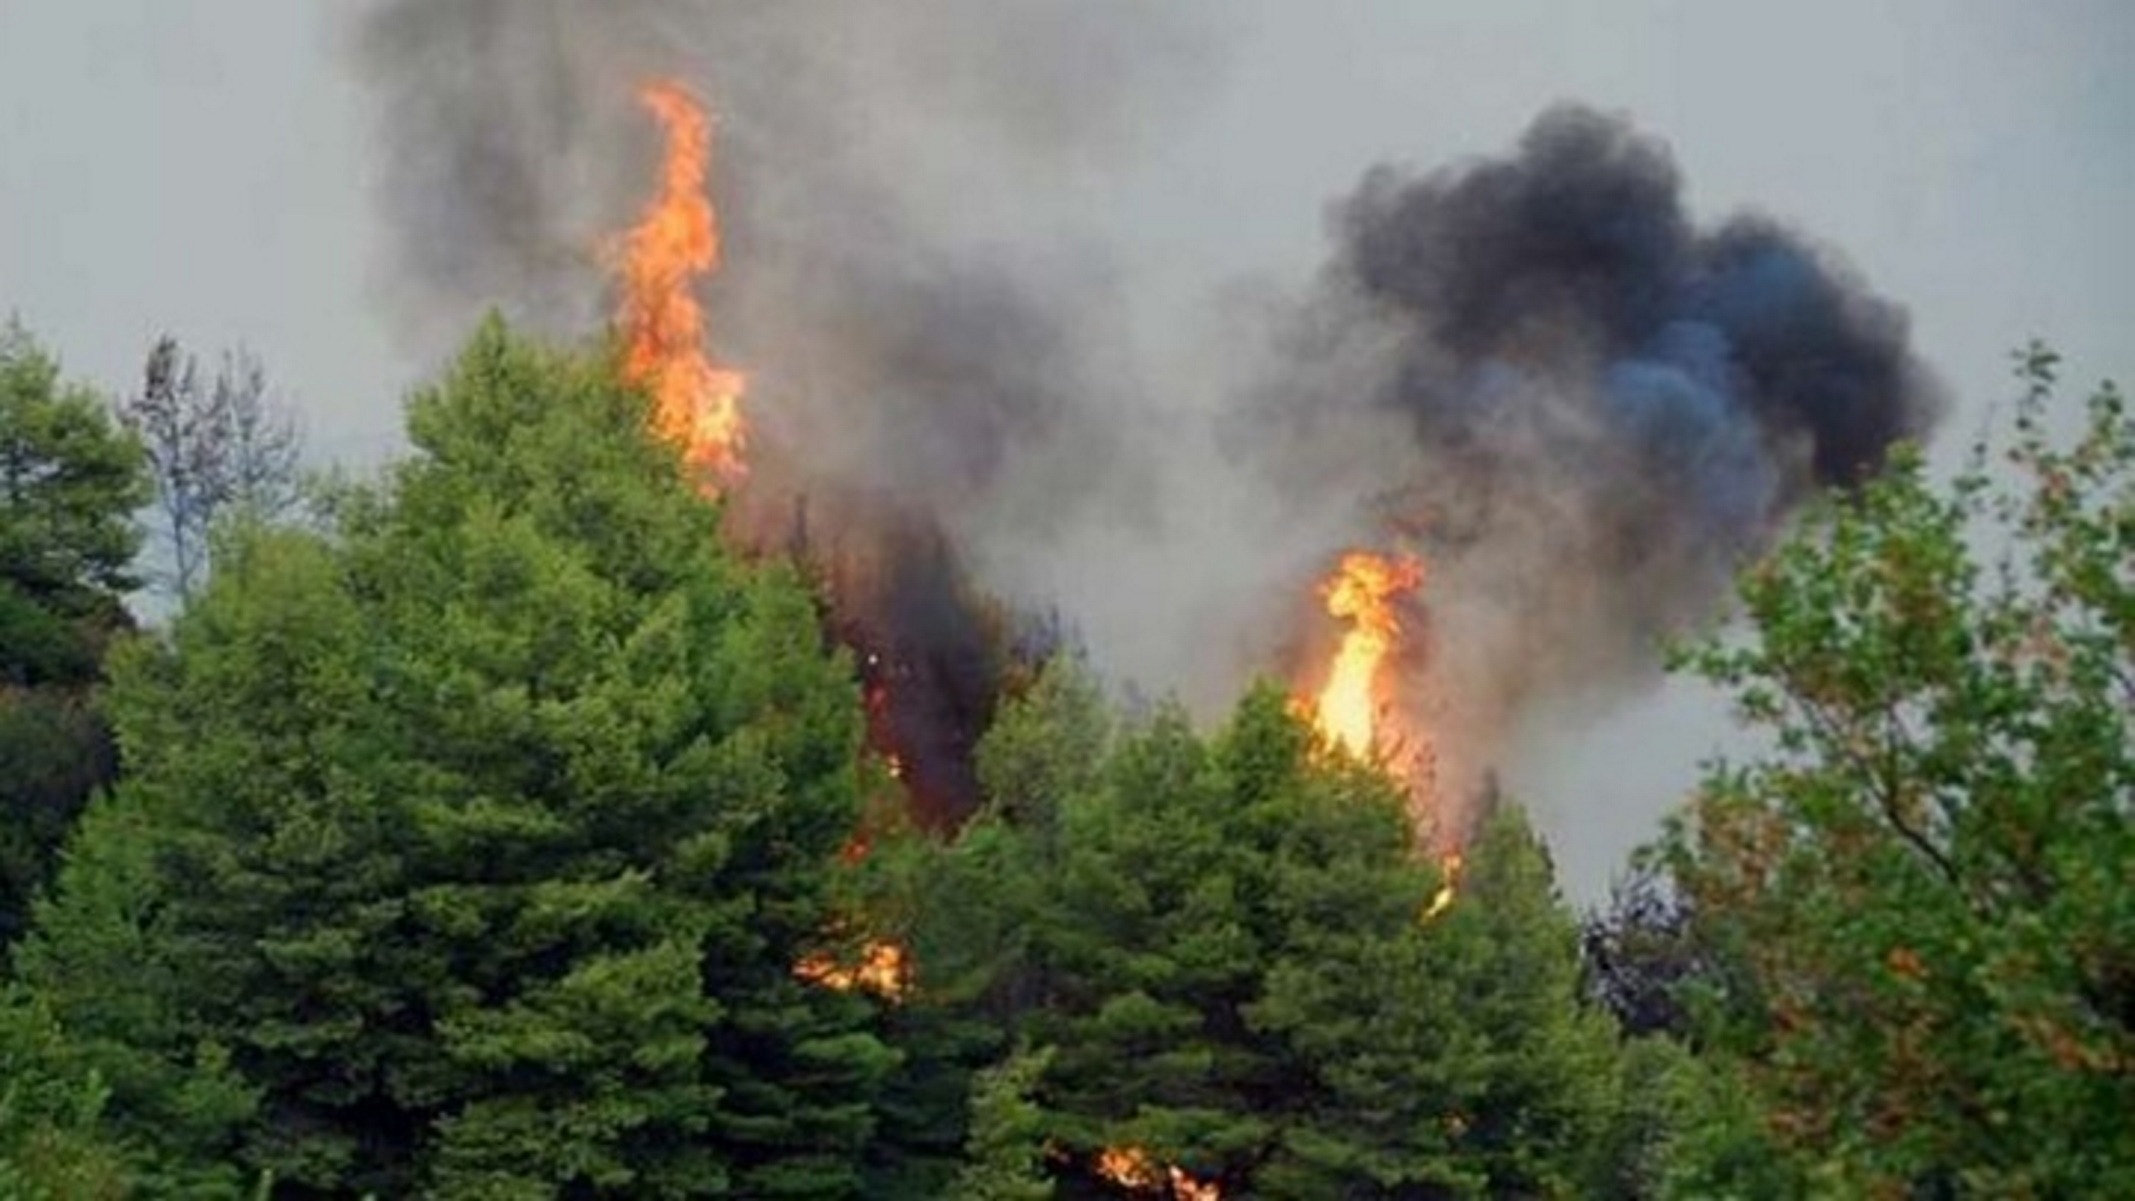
(495, 831)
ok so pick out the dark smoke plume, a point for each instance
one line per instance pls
(1597, 410)
(1583, 407)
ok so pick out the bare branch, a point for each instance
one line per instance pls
(216, 449)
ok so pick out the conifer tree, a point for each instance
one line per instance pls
(1227, 946)
(489, 831)
(70, 479)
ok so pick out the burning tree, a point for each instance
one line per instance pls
(1221, 948)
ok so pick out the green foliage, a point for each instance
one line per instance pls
(1004, 1156)
(51, 1146)
(1925, 883)
(69, 482)
(55, 751)
(104, 960)
(1223, 944)
(485, 837)
(471, 848)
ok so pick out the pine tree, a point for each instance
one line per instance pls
(70, 480)
(1227, 946)
(1005, 1153)
(491, 831)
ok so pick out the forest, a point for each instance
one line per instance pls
(498, 828)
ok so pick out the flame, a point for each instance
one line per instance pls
(882, 970)
(1127, 1167)
(1361, 591)
(1448, 886)
(1130, 1168)
(696, 405)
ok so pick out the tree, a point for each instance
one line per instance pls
(1925, 882)
(102, 975)
(1453, 1057)
(51, 1146)
(69, 483)
(1224, 945)
(1642, 956)
(486, 835)
(215, 447)
(1004, 1158)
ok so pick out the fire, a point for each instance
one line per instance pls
(1362, 591)
(696, 405)
(882, 970)
(1449, 883)
(1130, 1168)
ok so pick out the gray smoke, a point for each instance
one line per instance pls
(933, 361)
(900, 315)
(1584, 408)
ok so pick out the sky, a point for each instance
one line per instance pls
(209, 169)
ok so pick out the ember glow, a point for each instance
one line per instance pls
(1362, 592)
(882, 970)
(1131, 1169)
(696, 405)
(1449, 883)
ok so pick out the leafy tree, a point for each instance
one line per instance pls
(69, 483)
(55, 752)
(487, 835)
(1925, 881)
(1448, 1058)
(215, 447)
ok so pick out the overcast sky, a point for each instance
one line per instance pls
(204, 167)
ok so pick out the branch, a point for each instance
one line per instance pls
(1881, 788)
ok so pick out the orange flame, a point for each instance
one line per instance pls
(1448, 885)
(882, 970)
(1361, 591)
(696, 405)
(1130, 1168)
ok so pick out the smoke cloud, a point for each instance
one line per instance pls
(1585, 408)
(1582, 407)
(931, 373)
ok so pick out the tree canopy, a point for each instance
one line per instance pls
(70, 479)
(506, 833)
(482, 836)
(1925, 884)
